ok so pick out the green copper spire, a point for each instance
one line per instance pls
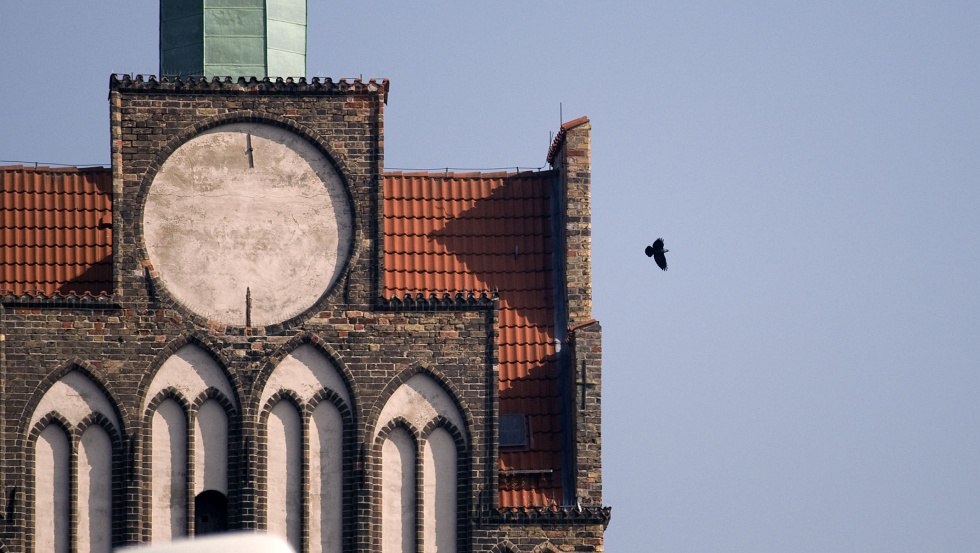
(233, 38)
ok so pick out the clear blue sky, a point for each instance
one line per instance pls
(806, 376)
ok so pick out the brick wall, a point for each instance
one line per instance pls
(120, 342)
(572, 157)
(586, 346)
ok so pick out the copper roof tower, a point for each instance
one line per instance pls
(233, 38)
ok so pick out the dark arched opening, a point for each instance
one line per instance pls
(210, 512)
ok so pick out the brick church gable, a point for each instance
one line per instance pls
(451, 359)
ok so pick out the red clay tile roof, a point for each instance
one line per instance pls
(490, 232)
(443, 233)
(56, 231)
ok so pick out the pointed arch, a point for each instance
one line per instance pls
(440, 461)
(165, 444)
(284, 467)
(306, 369)
(74, 391)
(100, 447)
(397, 448)
(212, 430)
(545, 547)
(214, 416)
(331, 439)
(94, 490)
(445, 484)
(428, 386)
(504, 547)
(305, 340)
(191, 367)
(163, 395)
(52, 489)
(419, 399)
(74, 443)
(306, 404)
(52, 418)
(167, 465)
(191, 427)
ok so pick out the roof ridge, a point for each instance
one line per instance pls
(464, 173)
(59, 169)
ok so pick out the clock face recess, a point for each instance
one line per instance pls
(247, 209)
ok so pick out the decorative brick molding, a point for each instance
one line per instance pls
(224, 85)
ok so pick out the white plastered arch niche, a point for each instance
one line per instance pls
(247, 209)
(184, 377)
(74, 399)
(304, 375)
(419, 401)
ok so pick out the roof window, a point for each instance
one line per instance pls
(513, 430)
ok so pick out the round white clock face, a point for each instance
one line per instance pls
(247, 209)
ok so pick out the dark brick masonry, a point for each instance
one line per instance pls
(120, 341)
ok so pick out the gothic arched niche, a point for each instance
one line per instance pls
(305, 371)
(190, 371)
(302, 396)
(398, 501)
(52, 488)
(211, 448)
(168, 472)
(326, 478)
(420, 402)
(75, 397)
(73, 475)
(439, 465)
(284, 459)
(189, 401)
(94, 510)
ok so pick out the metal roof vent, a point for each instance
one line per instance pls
(233, 38)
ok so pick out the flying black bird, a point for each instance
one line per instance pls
(657, 251)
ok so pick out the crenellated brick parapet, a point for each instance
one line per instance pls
(223, 85)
